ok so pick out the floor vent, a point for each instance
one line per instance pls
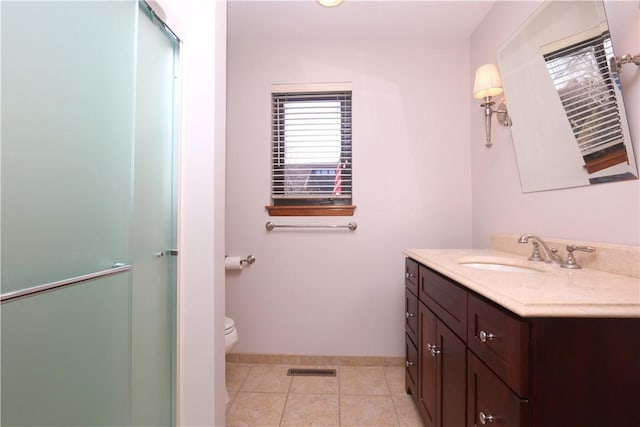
(311, 372)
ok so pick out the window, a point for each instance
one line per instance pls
(582, 79)
(311, 150)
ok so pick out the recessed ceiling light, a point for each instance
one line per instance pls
(329, 3)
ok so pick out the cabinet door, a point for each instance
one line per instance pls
(451, 355)
(443, 367)
(428, 385)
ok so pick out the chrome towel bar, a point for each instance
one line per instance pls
(48, 287)
(270, 226)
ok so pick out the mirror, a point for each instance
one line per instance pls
(569, 123)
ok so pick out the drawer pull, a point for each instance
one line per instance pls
(485, 418)
(409, 275)
(408, 364)
(409, 315)
(486, 336)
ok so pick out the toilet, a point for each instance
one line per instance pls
(230, 340)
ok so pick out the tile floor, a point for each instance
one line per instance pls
(263, 395)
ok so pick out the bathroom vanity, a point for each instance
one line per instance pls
(494, 339)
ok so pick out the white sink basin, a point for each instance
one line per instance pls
(505, 265)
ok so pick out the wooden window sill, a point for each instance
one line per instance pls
(606, 161)
(334, 210)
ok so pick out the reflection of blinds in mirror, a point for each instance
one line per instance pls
(581, 77)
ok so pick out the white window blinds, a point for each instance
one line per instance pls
(311, 146)
(582, 79)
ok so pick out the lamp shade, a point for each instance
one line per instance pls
(329, 3)
(488, 82)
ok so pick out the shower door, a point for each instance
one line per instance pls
(79, 203)
(154, 219)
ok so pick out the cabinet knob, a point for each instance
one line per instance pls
(485, 418)
(409, 315)
(409, 275)
(485, 336)
(431, 348)
(408, 364)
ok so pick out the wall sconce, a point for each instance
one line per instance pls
(616, 62)
(486, 85)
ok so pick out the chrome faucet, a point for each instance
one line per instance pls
(550, 255)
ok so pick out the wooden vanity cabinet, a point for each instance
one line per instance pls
(552, 372)
(480, 364)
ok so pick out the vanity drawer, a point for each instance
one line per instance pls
(501, 340)
(411, 364)
(411, 315)
(446, 299)
(490, 401)
(411, 275)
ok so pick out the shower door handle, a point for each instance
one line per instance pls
(168, 252)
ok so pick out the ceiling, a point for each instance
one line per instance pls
(354, 19)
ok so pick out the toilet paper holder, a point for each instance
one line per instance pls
(249, 259)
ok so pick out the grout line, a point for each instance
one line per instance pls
(286, 401)
(339, 375)
(395, 407)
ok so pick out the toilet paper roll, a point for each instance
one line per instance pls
(233, 263)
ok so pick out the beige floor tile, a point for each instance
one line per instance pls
(267, 378)
(395, 376)
(319, 410)
(408, 415)
(360, 396)
(235, 374)
(367, 411)
(363, 380)
(317, 385)
(256, 410)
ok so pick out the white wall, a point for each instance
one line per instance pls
(340, 292)
(603, 212)
(201, 239)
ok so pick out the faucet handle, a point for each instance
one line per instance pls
(535, 256)
(571, 260)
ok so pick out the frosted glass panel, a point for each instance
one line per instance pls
(67, 138)
(66, 356)
(153, 230)
(87, 166)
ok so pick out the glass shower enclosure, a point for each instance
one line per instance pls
(87, 214)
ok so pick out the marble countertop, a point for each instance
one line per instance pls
(549, 291)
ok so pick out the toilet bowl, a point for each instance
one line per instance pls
(230, 340)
